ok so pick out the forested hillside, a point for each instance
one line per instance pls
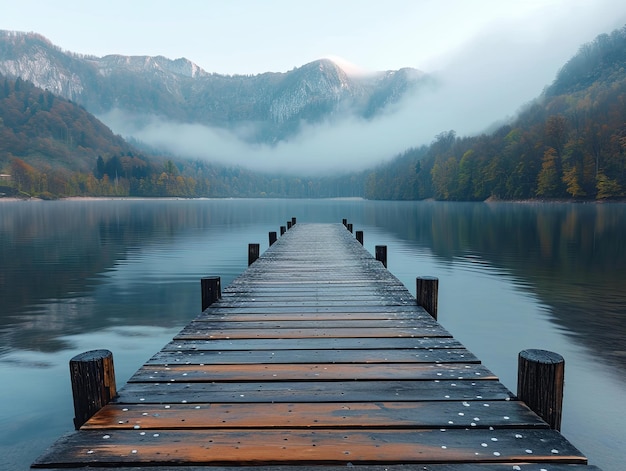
(570, 143)
(50, 147)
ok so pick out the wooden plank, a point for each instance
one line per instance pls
(199, 330)
(321, 446)
(317, 391)
(313, 344)
(361, 467)
(311, 316)
(226, 324)
(296, 357)
(309, 372)
(442, 414)
(226, 309)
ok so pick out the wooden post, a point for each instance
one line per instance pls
(381, 254)
(211, 287)
(293, 221)
(426, 293)
(253, 253)
(359, 236)
(350, 227)
(272, 238)
(93, 383)
(540, 379)
(283, 229)
(345, 222)
(289, 224)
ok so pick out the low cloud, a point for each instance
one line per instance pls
(485, 81)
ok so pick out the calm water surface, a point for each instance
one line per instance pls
(124, 275)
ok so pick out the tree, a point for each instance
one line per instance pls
(548, 179)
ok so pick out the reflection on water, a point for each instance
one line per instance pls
(124, 275)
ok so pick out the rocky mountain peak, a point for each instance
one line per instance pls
(277, 103)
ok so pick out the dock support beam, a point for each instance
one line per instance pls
(359, 236)
(272, 236)
(381, 254)
(253, 253)
(211, 287)
(540, 379)
(283, 229)
(426, 293)
(93, 383)
(350, 227)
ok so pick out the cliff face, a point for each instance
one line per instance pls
(181, 90)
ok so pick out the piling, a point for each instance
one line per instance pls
(283, 229)
(381, 254)
(350, 227)
(211, 287)
(253, 253)
(426, 293)
(273, 238)
(359, 236)
(540, 379)
(93, 383)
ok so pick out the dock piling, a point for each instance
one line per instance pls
(283, 229)
(381, 254)
(211, 290)
(93, 383)
(272, 236)
(426, 293)
(540, 379)
(253, 253)
(359, 236)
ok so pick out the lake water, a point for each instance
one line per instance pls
(124, 275)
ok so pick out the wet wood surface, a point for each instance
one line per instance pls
(315, 357)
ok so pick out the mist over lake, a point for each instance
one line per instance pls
(124, 275)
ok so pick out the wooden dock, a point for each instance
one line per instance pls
(315, 357)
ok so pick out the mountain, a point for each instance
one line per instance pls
(276, 104)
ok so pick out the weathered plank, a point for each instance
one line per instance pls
(313, 344)
(241, 356)
(306, 371)
(290, 446)
(313, 391)
(426, 414)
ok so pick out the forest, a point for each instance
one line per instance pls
(570, 143)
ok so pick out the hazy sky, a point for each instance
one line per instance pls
(491, 55)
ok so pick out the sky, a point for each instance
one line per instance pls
(492, 57)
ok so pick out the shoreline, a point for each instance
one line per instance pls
(13, 199)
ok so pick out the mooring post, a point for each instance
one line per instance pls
(253, 253)
(272, 238)
(93, 383)
(344, 222)
(359, 236)
(350, 227)
(293, 221)
(426, 293)
(540, 379)
(381, 254)
(283, 229)
(289, 224)
(211, 287)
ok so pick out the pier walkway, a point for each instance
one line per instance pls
(315, 357)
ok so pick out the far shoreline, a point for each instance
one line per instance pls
(206, 198)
